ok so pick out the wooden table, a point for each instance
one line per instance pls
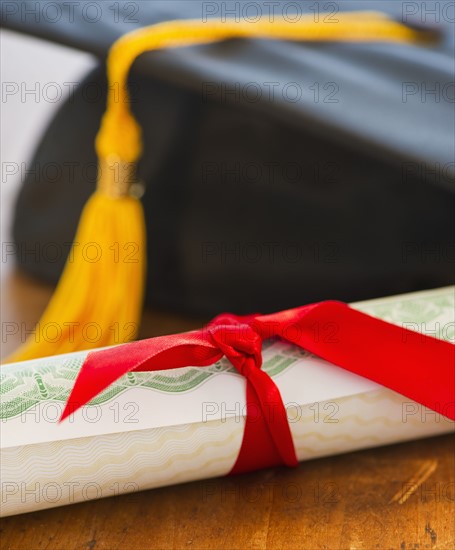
(397, 497)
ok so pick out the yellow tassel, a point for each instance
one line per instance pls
(99, 297)
(98, 301)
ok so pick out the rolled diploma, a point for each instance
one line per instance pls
(154, 429)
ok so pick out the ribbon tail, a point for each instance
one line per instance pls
(417, 366)
(267, 439)
(99, 370)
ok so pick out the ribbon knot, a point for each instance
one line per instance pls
(267, 440)
(238, 341)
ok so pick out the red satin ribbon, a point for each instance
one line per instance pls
(420, 367)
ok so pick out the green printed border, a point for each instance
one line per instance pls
(24, 386)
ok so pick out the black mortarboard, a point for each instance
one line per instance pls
(276, 172)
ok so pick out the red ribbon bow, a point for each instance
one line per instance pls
(420, 367)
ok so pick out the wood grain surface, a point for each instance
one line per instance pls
(397, 497)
